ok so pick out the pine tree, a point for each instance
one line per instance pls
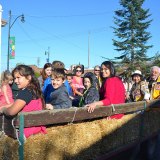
(131, 32)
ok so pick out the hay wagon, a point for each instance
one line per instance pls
(75, 134)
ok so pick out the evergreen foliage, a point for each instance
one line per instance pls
(131, 32)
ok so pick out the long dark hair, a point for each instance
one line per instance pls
(34, 85)
(110, 66)
(43, 73)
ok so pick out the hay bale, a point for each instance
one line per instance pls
(85, 140)
(8, 148)
(62, 142)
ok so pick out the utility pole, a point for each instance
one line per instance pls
(88, 49)
(38, 61)
(9, 29)
(48, 55)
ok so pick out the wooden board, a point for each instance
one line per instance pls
(63, 116)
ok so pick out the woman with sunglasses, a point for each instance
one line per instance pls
(97, 71)
(77, 84)
(112, 90)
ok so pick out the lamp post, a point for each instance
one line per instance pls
(9, 28)
(48, 54)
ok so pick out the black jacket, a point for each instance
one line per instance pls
(92, 94)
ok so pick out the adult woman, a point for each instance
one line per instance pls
(139, 90)
(46, 72)
(112, 90)
(97, 71)
(77, 84)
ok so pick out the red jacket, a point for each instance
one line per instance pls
(113, 92)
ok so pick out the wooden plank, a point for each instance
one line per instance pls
(60, 116)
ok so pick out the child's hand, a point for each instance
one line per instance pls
(49, 106)
(91, 107)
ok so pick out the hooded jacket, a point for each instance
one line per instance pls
(90, 95)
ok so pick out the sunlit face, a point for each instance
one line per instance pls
(105, 71)
(21, 81)
(154, 73)
(48, 71)
(97, 71)
(136, 78)
(87, 83)
(69, 79)
(78, 72)
(57, 82)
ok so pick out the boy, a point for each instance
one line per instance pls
(59, 98)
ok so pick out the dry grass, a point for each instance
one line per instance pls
(81, 141)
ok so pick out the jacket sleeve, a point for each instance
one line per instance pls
(145, 90)
(92, 96)
(109, 92)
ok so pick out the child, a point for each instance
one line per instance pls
(6, 97)
(90, 93)
(48, 88)
(29, 97)
(59, 98)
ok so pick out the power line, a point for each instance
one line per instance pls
(96, 30)
(28, 35)
(58, 37)
(72, 15)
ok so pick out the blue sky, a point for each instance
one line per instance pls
(64, 26)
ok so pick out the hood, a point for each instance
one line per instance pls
(92, 77)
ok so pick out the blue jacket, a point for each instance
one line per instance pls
(48, 89)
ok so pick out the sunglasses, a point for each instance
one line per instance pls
(78, 70)
(96, 70)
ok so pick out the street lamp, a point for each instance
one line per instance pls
(9, 28)
(48, 54)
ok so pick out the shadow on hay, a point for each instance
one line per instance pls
(135, 131)
(98, 139)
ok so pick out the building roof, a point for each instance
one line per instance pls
(36, 69)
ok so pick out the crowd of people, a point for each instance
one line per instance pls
(56, 88)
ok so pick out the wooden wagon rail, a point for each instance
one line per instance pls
(62, 116)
